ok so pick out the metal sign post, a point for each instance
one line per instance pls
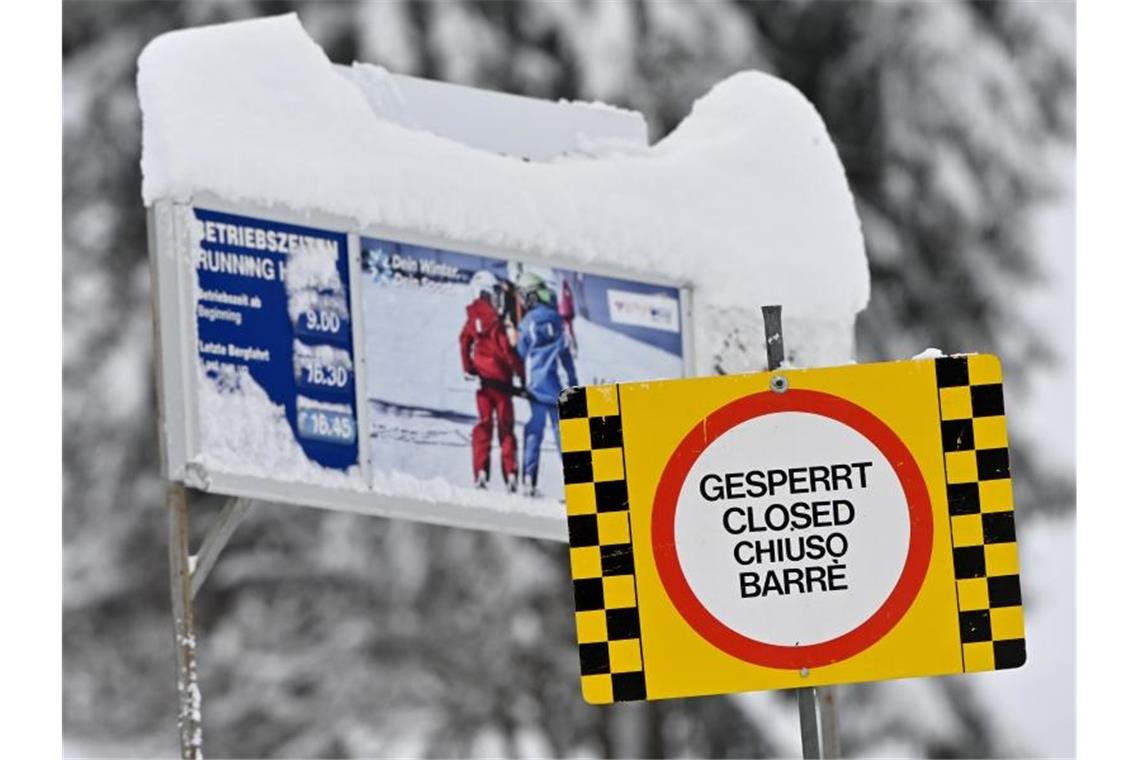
(819, 722)
(819, 718)
(178, 537)
(189, 695)
(187, 574)
(187, 571)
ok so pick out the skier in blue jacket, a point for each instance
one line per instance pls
(542, 345)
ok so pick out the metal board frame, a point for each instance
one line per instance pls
(171, 244)
(498, 122)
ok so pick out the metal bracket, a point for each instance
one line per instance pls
(220, 532)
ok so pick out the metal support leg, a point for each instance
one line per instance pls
(189, 697)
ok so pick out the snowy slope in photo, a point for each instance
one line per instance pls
(604, 356)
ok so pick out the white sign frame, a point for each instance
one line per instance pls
(172, 242)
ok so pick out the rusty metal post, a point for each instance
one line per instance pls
(189, 696)
(827, 696)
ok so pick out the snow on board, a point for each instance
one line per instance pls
(337, 153)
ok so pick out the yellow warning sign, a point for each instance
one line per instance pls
(791, 528)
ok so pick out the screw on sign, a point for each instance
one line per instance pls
(849, 524)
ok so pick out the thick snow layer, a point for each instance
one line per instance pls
(244, 432)
(746, 200)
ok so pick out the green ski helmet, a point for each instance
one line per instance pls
(535, 290)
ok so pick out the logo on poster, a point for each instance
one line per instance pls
(655, 311)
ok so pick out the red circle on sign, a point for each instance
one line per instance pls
(841, 647)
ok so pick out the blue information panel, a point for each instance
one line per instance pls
(273, 309)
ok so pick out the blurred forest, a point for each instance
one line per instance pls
(334, 635)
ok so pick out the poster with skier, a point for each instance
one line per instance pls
(466, 355)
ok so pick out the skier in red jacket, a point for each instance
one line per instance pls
(486, 353)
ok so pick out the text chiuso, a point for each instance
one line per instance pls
(818, 554)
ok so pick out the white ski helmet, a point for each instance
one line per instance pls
(483, 282)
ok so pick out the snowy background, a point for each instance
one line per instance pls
(330, 635)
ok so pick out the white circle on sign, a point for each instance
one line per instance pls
(779, 601)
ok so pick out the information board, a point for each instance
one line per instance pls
(790, 529)
(273, 321)
(308, 361)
